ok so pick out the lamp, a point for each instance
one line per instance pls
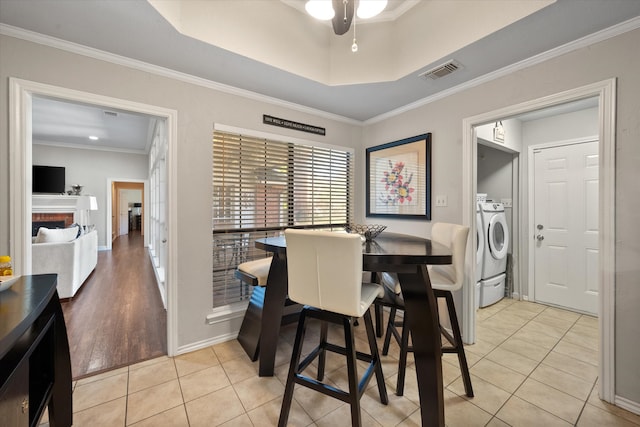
(341, 12)
(84, 205)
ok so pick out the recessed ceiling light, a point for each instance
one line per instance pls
(93, 138)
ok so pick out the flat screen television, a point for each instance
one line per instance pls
(48, 179)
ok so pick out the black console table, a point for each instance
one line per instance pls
(35, 368)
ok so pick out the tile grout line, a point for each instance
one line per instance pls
(538, 365)
(585, 403)
(126, 401)
(526, 377)
(184, 403)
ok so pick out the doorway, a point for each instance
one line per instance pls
(20, 132)
(127, 207)
(565, 216)
(605, 93)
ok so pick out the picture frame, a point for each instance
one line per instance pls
(498, 132)
(398, 179)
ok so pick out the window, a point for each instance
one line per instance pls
(261, 187)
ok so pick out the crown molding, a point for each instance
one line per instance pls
(580, 43)
(93, 148)
(588, 40)
(31, 36)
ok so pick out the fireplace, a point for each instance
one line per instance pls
(52, 211)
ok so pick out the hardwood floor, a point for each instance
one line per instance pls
(117, 317)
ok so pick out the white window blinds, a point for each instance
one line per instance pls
(261, 187)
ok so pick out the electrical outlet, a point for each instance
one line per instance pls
(507, 203)
(441, 200)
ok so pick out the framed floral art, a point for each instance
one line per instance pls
(399, 178)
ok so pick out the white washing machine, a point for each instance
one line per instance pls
(496, 245)
(491, 290)
(496, 237)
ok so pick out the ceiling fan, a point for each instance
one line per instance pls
(341, 12)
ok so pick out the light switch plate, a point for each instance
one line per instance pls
(507, 203)
(441, 200)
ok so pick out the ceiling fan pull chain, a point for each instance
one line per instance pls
(344, 2)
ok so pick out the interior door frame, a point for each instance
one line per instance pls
(113, 182)
(605, 91)
(531, 294)
(21, 94)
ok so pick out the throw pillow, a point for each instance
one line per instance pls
(58, 235)
(78, 227)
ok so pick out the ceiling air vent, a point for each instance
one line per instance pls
(441, 70)
(111, 113)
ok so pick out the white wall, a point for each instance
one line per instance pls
(495, 173)
(512, 135)
(91, 169)
(198, 108)
(562, 127)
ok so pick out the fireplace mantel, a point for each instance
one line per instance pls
(53, 203)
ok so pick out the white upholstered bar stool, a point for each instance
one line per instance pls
(445, 279)
(325, 274)
(254, 272)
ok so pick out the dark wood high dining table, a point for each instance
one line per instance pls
(403, 254)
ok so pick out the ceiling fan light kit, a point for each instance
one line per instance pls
(341, 13)
(370, 8)
(320, 9)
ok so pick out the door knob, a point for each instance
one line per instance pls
(540, 237)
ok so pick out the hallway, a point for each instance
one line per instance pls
(117, 318)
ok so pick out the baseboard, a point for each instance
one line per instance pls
(627, 404)
(225, 322)
(226, 313)
(207, 343)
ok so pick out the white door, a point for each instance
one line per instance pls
(123, 195)
(566, 226)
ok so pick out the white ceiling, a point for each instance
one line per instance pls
(135, 29)
(67, 124)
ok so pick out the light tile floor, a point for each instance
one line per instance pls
(532, 365)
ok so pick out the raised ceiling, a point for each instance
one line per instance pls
(390, 47)
(272, 48)
(135, 29)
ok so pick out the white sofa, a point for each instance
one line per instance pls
(73, 260)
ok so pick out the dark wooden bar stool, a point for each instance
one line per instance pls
(325, 274)
(253, 273)
(444, 279)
